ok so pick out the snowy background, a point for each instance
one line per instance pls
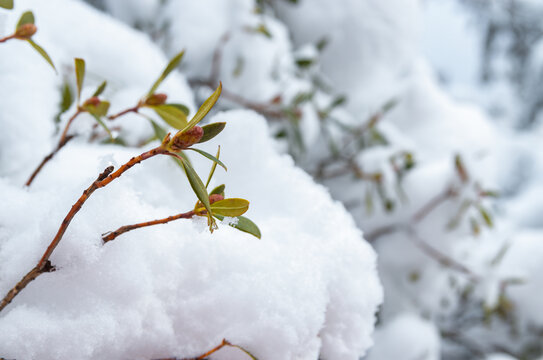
(392, 152)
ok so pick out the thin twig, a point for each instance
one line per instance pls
(134, 109)
(419, 215)
(70, 121)
(4, 39)
(203, 356)
(431, 205)
(267, 109)
(46, 159)
(212, 351)
(440, 257)
(217, 58)
(64, 139)
(270, 110)
(113, 234)
(103, 179)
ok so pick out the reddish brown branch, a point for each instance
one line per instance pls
(215, 349)
(134, 109)
(113, 234)
(70, 121)
(48, 158)
(212, 351)
(103, 179)
(4, 39)
(64, 139)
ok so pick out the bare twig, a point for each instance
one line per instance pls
(270, 110)
(212, 351)
(70, 121)
(64, 139)
(217, 58)
(431, 205)
(103, 179)
(113, 234)
(46, 159)
(440, 257)
(4, 39)
(419, 215)
(134, 109)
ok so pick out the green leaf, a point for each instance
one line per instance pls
(213, 167)
(67, 98)
(230, 207)
(486, 216)
(218, 190)
(171, 115)
(304, 63)
(160, 133)
(80, 75)
(338, 101)
(244, 224)
(322, 44)
(211, 130)
(239, 347)
(169, 68)
(199, 189)
(26, 18)
(100, 89)
(99, 121)
(209, 156)
(181, 107)
(6, 4)
(42, 52)
(102, 108)
(262, 29)
(99, 110)
(204, 109)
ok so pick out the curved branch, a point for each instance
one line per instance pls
(113, 234)
(103, 179)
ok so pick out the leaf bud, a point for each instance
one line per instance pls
(215, 197)
(93, 101)
(185, 139)
(25, 32)
(156, 99)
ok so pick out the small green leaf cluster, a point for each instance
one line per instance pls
(25, 29)
(471, 207)
(93, 105)
(221, 207)
(189, 133)
(6, 4)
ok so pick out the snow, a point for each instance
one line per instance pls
(309, 287)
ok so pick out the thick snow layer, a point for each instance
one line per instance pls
(309, 285)
(309, 288)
